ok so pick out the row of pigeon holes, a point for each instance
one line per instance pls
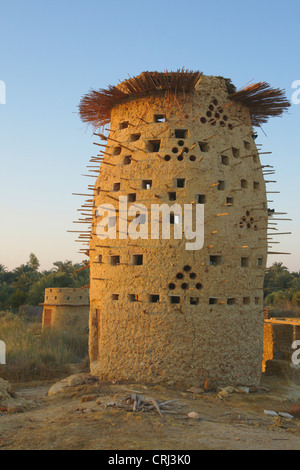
(214, 114)
(155, 298)
(214, 260)
(177, 299)
(181, 152)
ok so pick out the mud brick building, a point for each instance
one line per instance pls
(66, 309)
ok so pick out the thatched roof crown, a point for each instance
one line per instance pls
(262, 100)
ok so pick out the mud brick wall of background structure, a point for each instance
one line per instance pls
(66, 309)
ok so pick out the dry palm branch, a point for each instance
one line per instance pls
(136, 402)
(262, 100)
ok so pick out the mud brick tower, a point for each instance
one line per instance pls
(160, 312)
(66, 309)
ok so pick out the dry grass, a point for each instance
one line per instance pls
(33, 354)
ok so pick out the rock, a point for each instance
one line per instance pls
(223, 394)
(245, 390)
(229, 389)
(86, 398)
(72, 381)
(295, 410)
(195, 390)
(208, 386)
(193, 415)
(109, 403)
(270, 413)
(13, 408)
(285, 415)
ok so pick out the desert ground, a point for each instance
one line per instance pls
(88, 415)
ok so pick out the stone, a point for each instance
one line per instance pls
(229, 389)
(13, 408)
(245, 390)
(295, 410)
(72, 381)
(196, 390)
(109, 404)
(270, 413)
(86, 398)
(223, 394)
(209, 385)
(285, 415)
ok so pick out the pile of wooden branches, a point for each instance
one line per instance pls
(136, 402)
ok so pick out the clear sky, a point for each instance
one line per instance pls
(54, 52)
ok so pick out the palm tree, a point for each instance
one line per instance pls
(64, 267)
(24, 276)
(277, 278)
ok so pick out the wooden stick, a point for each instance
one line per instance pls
(143, 120)
(112, 197)
(106, 153)
(282, 233)
(106, 163)
(207, 138)
(100, 145)
(157, 407)
(102, 136)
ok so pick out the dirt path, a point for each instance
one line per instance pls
(63, 421)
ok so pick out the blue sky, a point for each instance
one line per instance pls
(54, 52)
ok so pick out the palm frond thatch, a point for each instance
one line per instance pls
(95, 107)
(262, 101)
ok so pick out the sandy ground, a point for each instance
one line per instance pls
(63, 421)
